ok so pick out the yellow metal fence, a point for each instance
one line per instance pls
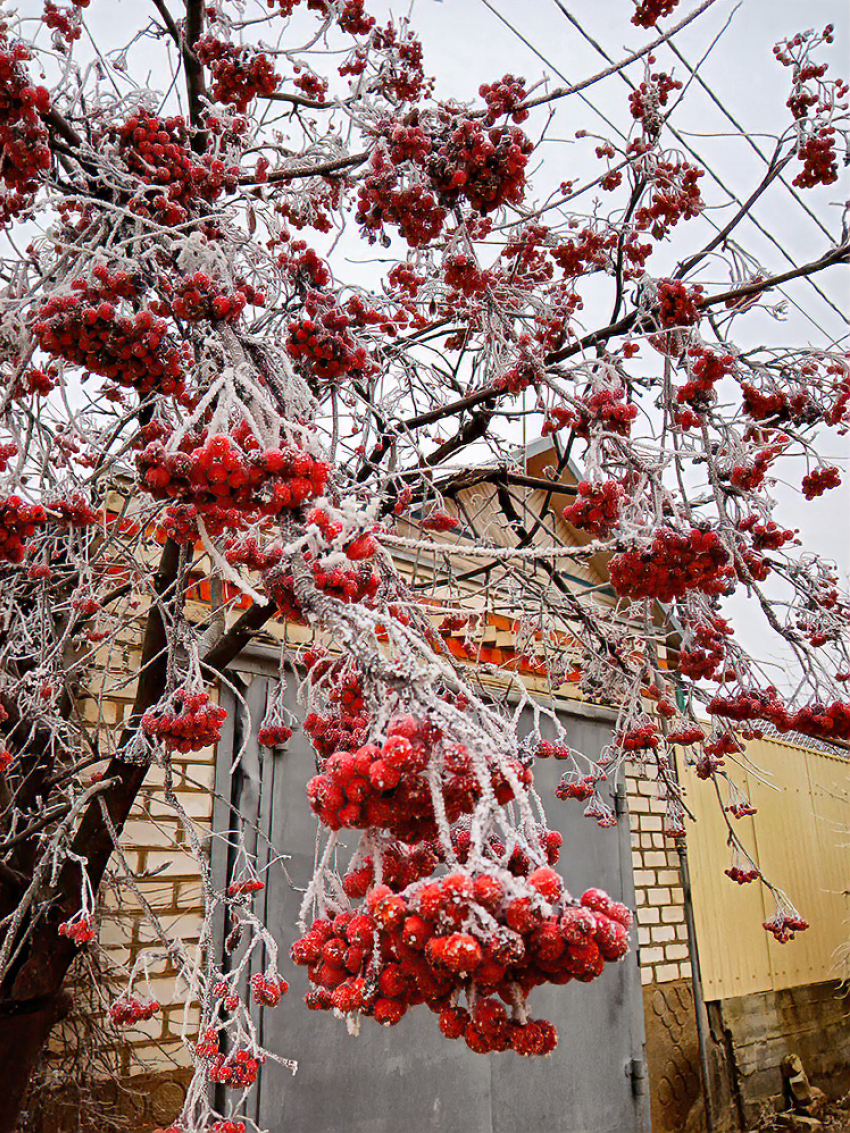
(800, 838)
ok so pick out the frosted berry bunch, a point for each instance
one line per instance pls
(239, 74)
(704, 651)
(276, 725)
(597, 508)
(820, 480)
(267, 991)
(386, 786)
(235, 1070)
(344, 584)
(484, 166)
(678, 304)
(198, 298)
(648, 12)
(79, 928)
(18, 522)
(323, 341)
(603, 411)
(227, 471)
(463, 934)
(129, 1010)
(131, 350)
(671, 565)
(186, 722)
(574, 785)
(385, 199)
(24, 149)
(157, 151)
(785, 923)
(503, 97)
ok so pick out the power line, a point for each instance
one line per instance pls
(715, 177)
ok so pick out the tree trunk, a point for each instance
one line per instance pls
(24, 1029)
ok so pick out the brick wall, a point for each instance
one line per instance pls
(662, 935)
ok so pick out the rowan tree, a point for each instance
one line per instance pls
(198, 388)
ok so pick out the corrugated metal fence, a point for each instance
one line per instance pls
(800, 838)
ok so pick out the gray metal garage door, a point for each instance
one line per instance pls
(408, 1078)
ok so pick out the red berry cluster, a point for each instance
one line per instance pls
(573, 785)
(384, 199)
(197, 298)
(402, 951)
(487, 167)
(187, 723)
(344, 584)
(245, 886)
(80, 929)
(6, 760)
(651, 94)
(311, 85)
(128, 1010)
(671, 565)
(642, 737)
(602, 411)
(267, 990)
(741, 874)
(705, 370)
(685, 735)
(274, 735)
(504, 97)
(546, 749)
(239, 74)
(231, 471)
(648, 12)
(817, 482)
(674, 196)
(65, 21)
(157, 151)
(236, 1070)
(324, 342)
(767, 536)
(597, 508)
(130, 350)
(817, 153)
(18, 521)
(440, 521)
(591, 248)
(402, 75)
(461, 272)
(386, 787)
(784, 924)
(678, 304)
(24, 149)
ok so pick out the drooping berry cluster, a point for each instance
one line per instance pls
(678, 304)
(671, 565)
(322, 339)
(226, 471)
(463, 933)
(128, 1010)
(386, 787)
(705, 649)
(486, 167)
(784, 924)
(648, 12)
(80, 929)
(268, 991)
(820, 480)
(197, 298)
(239, 74)
(597, 508)
(186, 722)
(132, 350)
(705, 370)
(18, 522)
(157, 151)
(345, 584)
(235, 1070)
(24, 149)
(504, 96)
